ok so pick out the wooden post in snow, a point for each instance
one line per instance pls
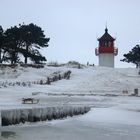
(136, 92)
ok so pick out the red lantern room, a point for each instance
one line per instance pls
(106, 44)
(106, 50)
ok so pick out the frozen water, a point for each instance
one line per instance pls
(112, 117)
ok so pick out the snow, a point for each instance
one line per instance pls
(17, 116)
(114, 115)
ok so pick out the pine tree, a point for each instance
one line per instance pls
(1, 42)
(32, 37)
(36, 57)
(12, 44)
(133, 56)
(22, 39)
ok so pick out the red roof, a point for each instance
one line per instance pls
(106, 36)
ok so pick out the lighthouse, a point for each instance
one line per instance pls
(106, 51)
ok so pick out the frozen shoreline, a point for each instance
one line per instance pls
(113, 117)
(89, 126)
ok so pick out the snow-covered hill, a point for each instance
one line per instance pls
(87, 81)
(113, 112)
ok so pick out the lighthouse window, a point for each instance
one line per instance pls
(109, 44)
(105, 44)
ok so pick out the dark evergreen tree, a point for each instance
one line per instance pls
(133, 56)
(25, 40)
(32, 37)
(36, 57)
(1, 42)
(12, 44)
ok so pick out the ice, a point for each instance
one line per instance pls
(17, 116)
(114, 115)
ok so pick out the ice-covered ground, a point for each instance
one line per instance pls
(111, 117)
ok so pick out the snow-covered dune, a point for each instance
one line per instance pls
(114, 115)
(87, 81)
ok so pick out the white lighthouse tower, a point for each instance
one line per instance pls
(106, 50)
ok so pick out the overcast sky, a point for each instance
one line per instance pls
(74, 25)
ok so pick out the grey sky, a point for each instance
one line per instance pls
(74, 25)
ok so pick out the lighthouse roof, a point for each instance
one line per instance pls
(106, 36)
